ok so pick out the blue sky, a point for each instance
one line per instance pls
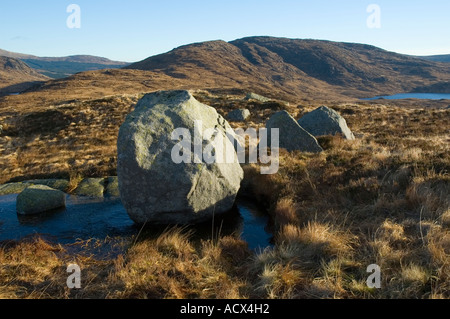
(135, 29)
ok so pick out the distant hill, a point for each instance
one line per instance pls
(299, 65)
(16, 76)
(15, 55)
(289, 69)
(437, 58)
(59, 67)
(218, 63)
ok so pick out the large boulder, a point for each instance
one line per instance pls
(38, 199)
(325, 121)
(292, 135)
(239, 115)
(153, 187)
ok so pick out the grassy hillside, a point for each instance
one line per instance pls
(301, 67)
(16, 76)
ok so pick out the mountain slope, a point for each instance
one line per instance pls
(16, 76)
(218, 63)
(300, 66)
(341, 63)
(289, 69)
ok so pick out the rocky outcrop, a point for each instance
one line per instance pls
(239, 115)
(157, 188)
(256, 97)
(38, 199)
(291, 135)
(325, 121)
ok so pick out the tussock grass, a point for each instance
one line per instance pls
(383, 198)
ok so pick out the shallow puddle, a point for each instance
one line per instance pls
(86, 218)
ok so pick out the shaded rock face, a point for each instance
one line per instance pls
(112, 188)
(292, 135)
(239, 115)
(325, 121)
(155, 189)
(38, 199)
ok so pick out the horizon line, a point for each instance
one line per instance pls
(414, 53)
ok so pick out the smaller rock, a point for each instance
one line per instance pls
(1, 129)
(112, 187)
(13, 188)
(91, 187)
(325, 121)
(239, 115)
(292, 135)
(257, 97)
(59, 184)
(38, 199)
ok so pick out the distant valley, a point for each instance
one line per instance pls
(60, 67)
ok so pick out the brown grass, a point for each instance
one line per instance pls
(383, 198)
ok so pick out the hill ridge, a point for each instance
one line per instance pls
(300, 64)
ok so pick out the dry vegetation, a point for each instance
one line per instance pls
(383, 198)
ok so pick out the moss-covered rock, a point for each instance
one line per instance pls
(112, 187)
(13, 188)
(91, 187)
(37, 199)
(59, 184)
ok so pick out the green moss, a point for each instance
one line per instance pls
(13, 188)
(91, 187)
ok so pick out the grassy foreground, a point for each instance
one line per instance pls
(383, 199)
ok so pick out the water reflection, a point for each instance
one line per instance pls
(86, 218)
